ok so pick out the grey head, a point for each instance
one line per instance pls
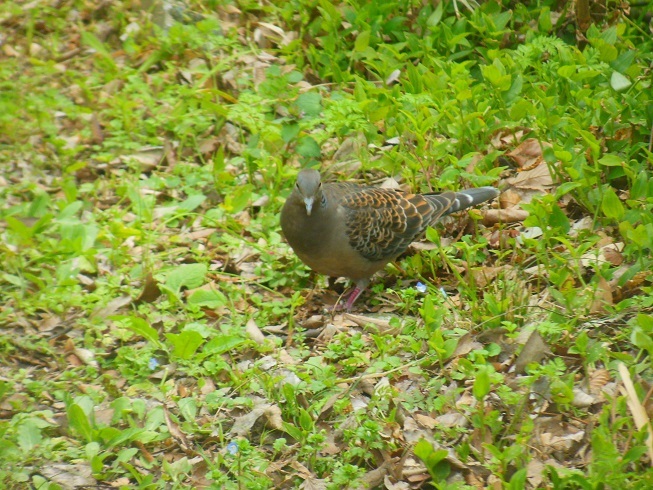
(309, 188)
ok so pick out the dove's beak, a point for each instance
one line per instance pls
(308, 202)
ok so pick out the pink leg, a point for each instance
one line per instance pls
(353, 296)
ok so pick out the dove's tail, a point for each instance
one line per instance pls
(450, 202)
(472, 197)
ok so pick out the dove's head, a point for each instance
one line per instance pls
(309, 188)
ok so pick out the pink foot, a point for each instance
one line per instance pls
(353, 296)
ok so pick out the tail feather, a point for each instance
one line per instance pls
(467, 198)
(472, 197)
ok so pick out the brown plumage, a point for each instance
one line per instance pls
(344, 229)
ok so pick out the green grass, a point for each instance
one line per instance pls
(157, 332)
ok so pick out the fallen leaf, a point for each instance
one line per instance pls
(426, 421)
(538, 178)
(533, 352)
(602, 297)
(513, 215)
(254, 333)
(509, 199)
(636, 408)
(243, 424)
(582, 399)
(528, 154)
(598, 379)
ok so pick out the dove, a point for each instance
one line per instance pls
(344, 229)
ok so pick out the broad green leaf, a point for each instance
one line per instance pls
(305, 420)
(642, 340)
(140, 327)
(185, 344)
(186, 275)
(518, 479)
(567, 71)
(308, 147)
(362, 41)
(29, 435)
(208, 298)
(188, 408)
(434, 459)
(521, 108)
(238, 198)
(566, 187)
(611, 160)
(219, 163)
(608, 52)
(70, 211)
(558, 219)
(481, 383)
(612, 206)
(119, 437)
(23, 231)
(544, 23)
(222, 344)
(293, 431)
(436, 16)
(289, 132)
(79, 422)
(192, 202)
(619, 82)
(310, 103)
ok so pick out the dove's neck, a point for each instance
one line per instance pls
(310, 234)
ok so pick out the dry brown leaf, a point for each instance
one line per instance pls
(425, 420)
(243, 424)
(86, 356)
(149, 157)
(632, 286)
(535, 471)
(562, 442)
(119, 483)
(538, 178)
(274, 416)
(528, 154)
(582, 399)
(494, 482)
(390, 485)
(111, 307)
(254, 333)
(483, 276)
(506, 138)
(534, 351)
(382, 324)
(598, 379)
(313, 483)
(602, 297)
(600, 256)
(452, 419)
(175, 431)
(636, 408)
(196, 235)
(613, 255)
(48, 322)
(513, 215)
(466, 344)
(150, 291)
(208, 386)
(69, 475)
(345, 155)
(502, 237)
(509, 199)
